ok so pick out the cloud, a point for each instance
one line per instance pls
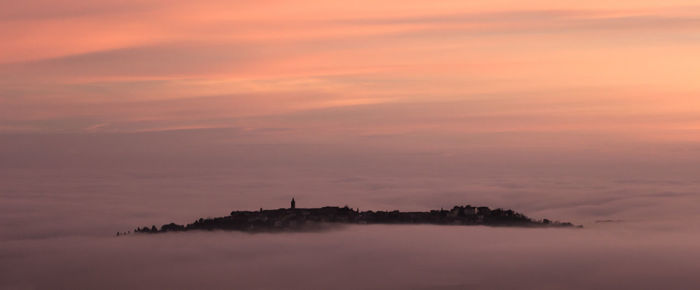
(573, 68)
(158, 61)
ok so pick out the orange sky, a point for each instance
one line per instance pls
(323, 69)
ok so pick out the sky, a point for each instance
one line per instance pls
(118, 114)
(624, 69)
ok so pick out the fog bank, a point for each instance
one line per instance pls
(361, 257)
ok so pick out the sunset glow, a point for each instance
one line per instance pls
(627, 67)
(493, 144)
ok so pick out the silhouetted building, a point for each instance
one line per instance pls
(454, 212)
(483, 210)
(294, 203)
(469, 210)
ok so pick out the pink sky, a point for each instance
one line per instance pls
(628, 68)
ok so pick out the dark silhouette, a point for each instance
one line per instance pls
(304, 219)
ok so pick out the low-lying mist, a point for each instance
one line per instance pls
(63, 198)
(361, 257)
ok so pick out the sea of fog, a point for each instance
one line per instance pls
(360, 257)
(62, 203)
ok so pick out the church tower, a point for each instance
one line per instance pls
(294, 204)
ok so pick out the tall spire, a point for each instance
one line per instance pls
(294, 203)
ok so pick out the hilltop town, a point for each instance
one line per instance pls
(304, 219)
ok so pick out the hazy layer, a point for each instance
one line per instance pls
(64, 196)
(369, 257)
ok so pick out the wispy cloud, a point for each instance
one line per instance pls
(195, 65)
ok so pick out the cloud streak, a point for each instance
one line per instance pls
(135, 62)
